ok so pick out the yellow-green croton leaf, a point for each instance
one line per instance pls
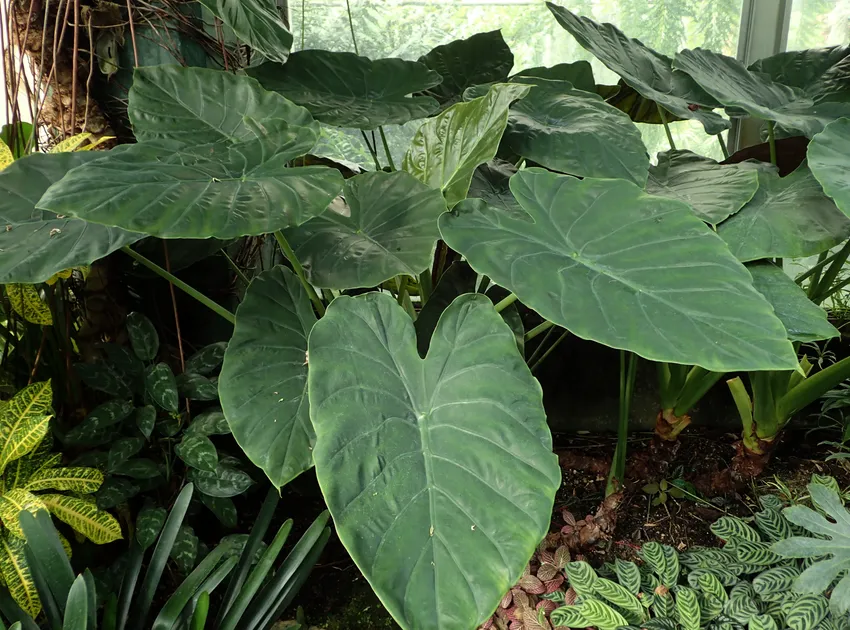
(98, 526)
(82, 480)
(33, 400)
(24, 422)
(6, 156)
(11, 504)
(16, 573)
(27, 303)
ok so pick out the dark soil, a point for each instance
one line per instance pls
(337, 597)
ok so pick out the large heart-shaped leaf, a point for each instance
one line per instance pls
(829, 159)
(387, 227)
(733, 85)
(438, 472)
(171, 190)
(713, 191)
(346, 90)
(822, 73)
(789, 217)
(646, 70)
(576, 132)
(258, 23)
(199, 105)
(803, 319)
(491, 182)
(610, 263)
(578, 73)
(482, 58)
(34, 245)
(446, 149)
(264, 378)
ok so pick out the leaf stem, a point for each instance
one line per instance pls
(386, 147)
(372, 150)
(501, 306)
(627, 386)
(549, 351)
(542, 328)
(177, 282)
(402, 289)
(539, 349)
(771, 139)
(723, 147)
(351, 26)
(666, 126)
(236, 268)
(425, 286)
(287, 250)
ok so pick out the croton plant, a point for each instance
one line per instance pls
(409, 393)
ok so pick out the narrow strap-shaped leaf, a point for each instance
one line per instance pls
(12, 611)
(294, 585)
(199, 617)
(265, 600)
(48, 603)
(91, 591)
(255, 580)
(128, 584)
(160, 557)
(48, 555)
(170, 613)
(261, 525)
(110, 613)
(76, 612)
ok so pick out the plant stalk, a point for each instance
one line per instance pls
(723, 146)
(373, 151)
(501, 306)
(386, 147)
(821, 292)
(771, 139)
(177, 282)
(287, 250)
(537, 330)
(236, 269)
(627, 385)
(666, 126)
(351, 26)
(563, 336)
(425, 286)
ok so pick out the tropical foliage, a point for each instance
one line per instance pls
(401, 378)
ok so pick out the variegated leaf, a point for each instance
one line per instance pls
(25, 422)
(161, 386)
(16, 573)
(224, 482)
(98, 526)
(704, 558)
(653, 554)
(143, 336)
(6, 155)
(146, 419)
(709, 607)
(741, 609)
(198, 451)
(775, 580)
(74, 479)
(581, 577)
(197, 387)
(670, 575)
(727, 527)
(26, 302)
(123, 449)
(602, 616)
(185, 549)
(762, 622)
(773, 525)
(148, 525)
(206, 360)
(807, 612)
(663, 605)
(32, 401)
(628, 575)
(11, 505)
(98, 422)
(687, 607)
(724, 575)
(223, 508)
(710, 585)
(568, 617)
(757, 553)
(208, 423)
(621, 597)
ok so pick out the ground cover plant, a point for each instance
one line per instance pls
(388, 350)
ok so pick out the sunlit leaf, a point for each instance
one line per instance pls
(828, 159)
(258, 23)
(98, 526)
(26, 302)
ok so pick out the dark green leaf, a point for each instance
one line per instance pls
(576, 132)
(199, 105)
(105, 377)
(149, 524)
(198, 452)
(789, 217)
(196, 387)
(264, 378)
(103, 417)
(459, 457)
(143, 336)
(224, 482)
(171, 190)
(578, 73)
(207, 360)
(827, 155)
(161, 386)
(223, 508)
(210, 422)
(185, 549)
(633, 258)
(258, 23)
(345, 90)
(138, 468)
(123, 449)
(482, 58)
(803, 319)
(491, 182)
(115, 491)
(823, 74)
(647, 71)
(146, 419)
(386, 227)
(34, 245)
(713, 191)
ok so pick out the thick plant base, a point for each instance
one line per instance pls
(668, 426)
(751, 459)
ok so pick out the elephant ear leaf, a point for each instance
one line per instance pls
(35, 245)
(830, 164)
(263, 384)
(14, 567)
(430, 467)
(98, 526)
(24, 422)
(27, 303)
(73, 479)
(258, 23)
(447, 148)
(633, 256)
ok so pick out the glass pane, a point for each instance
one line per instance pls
(817, 23)
(410, 28)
